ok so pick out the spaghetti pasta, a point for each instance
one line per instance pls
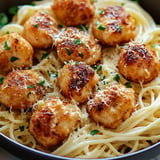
(139, 131)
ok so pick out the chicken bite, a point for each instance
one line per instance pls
(21, 89)
(113, 25)
(53, 121)
(15, 52)
(72, 44)
(138, 63)
(73, 12)
(76, 80)
(112, 105)
(40, 30)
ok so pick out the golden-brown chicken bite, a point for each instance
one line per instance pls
(113, 25)
(112, 105)
(40, 30)
(76, 80)
(21, 89)
(53, 121)
(15, 52)
(73, 12)
(72, 44)
(138, 63)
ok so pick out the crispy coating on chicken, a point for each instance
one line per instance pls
(112, 105)
(15, 52)
(53, 121)
(138, 63)
(76, 80)
(21, 89)
(73, 12)
(76, 45)
(40, 30)
(113, 25)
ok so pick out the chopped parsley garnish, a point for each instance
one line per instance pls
(128, 85)
(1, 80)
(119, 28)
(94, 66)
(101, 27)
(29, 94)
(81, 55)
(69, 51)
(93, 132)
(31, 86)
(152, 46)
(7, 32)
(21, 128)
(42, 83)
(49, 73)
(77, 41)
(99, 68)
(29, 67)
(117, 77)
(76, 63)
(122, 4)
(36, 25)
(3, 19)
(60, 26)
(55, 74)
(84, 44)
(44, 55)
(6, 46)
(13, 10)
(102, 78)
(13, 59)
(101, 12)
(83, 27)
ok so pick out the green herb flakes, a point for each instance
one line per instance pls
(60, 26)
(6, 46)
(44, 55)
(77, 41)
(1, 80)
(128, 85)
(13, 59)
(36, 25)
(21, 128)
(29, 93)
(31, 86)
(119, 28)
(116, 77)
(49, 73)
(101, 12)
(68, 51)
(93, 132)
(99, 68)
(122, 4)
(42, 83)
(101, 27)
(82, 27)
(56, 74)
(76, 63)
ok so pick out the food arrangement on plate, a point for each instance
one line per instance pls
(80, 79)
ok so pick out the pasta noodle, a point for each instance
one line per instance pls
(137, 132)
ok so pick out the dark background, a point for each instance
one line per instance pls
(152, 6)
